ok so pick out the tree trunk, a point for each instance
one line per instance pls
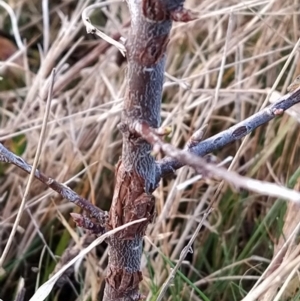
(135, 173)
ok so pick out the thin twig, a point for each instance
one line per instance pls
(35, 163)
(67, 193)
(168, 165)
(200, 165)
(196, 178)
(275, 84)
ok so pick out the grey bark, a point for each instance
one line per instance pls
(136, 171)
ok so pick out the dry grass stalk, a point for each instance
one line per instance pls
(86, 110)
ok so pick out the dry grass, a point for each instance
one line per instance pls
(82, 145)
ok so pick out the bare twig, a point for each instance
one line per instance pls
(67, 193)
(35, 163)
(200, 165)
(168, 165)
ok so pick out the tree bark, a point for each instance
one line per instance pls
(137, 174)
(136, 171)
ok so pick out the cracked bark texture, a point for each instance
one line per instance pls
(151, 22)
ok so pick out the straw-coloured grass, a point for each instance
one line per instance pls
(220, 69)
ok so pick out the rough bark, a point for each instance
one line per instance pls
(136, 171)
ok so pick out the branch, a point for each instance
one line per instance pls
(146, 45)
(200, 165)
(31, 176)
(168, 165)
(7, 156)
